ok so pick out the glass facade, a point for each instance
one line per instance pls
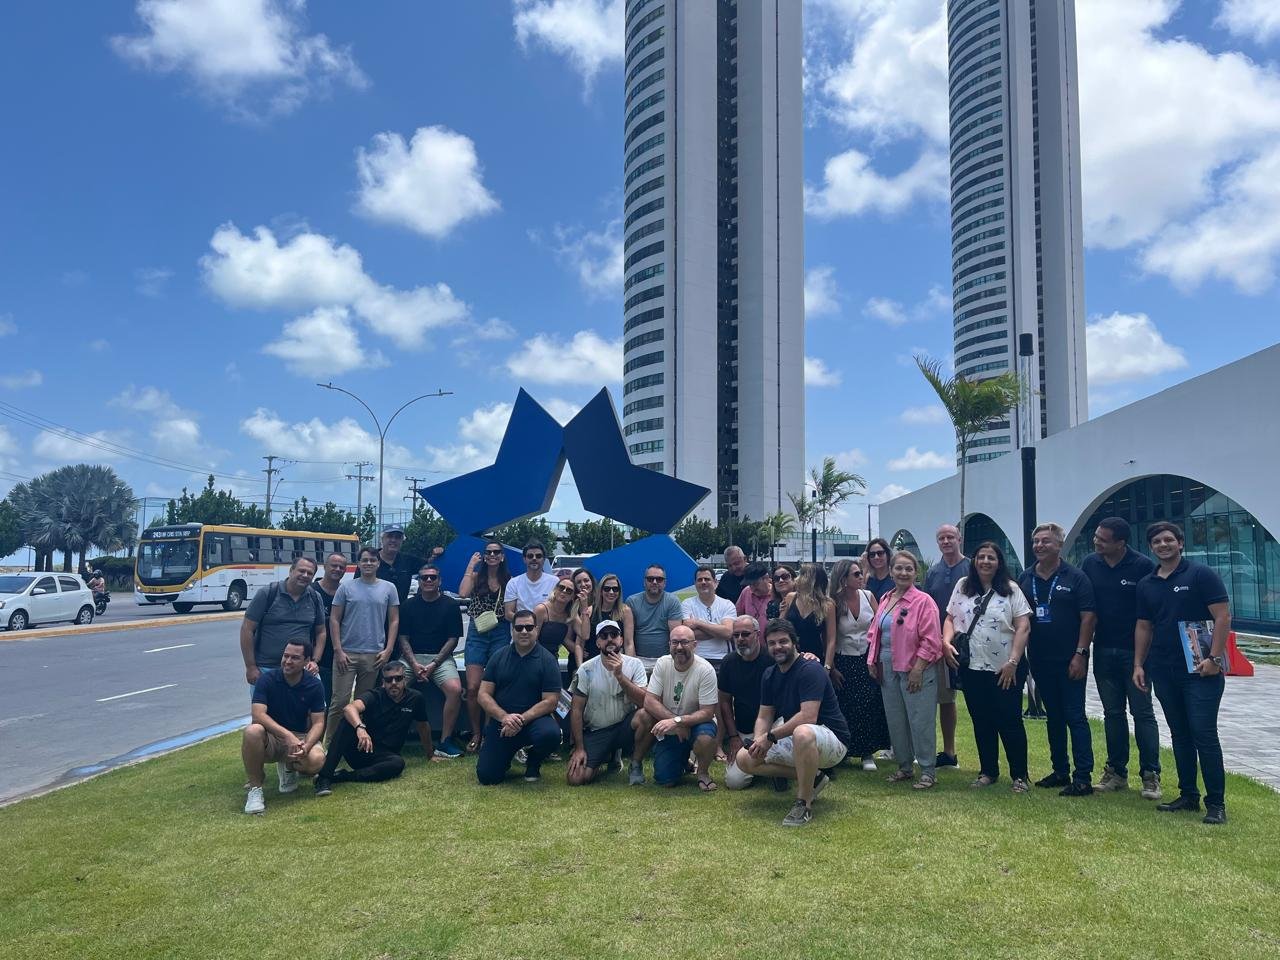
(1220, 533)
(979, 528)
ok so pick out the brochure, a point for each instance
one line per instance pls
(1197, 641)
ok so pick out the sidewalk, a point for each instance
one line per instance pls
(1248, 724)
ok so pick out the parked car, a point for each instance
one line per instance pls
(31, 598)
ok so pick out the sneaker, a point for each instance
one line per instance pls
(820, 783)
(1151, 786)
(946, 760)
(636, 777)
(883, 755)
(1021, 786)
(1076, 788)
(522, 755)
(1187, 804)
(869, 765)
(801, 814)
(255, 803)
(1111, 781)
(446, 750)
(324, 786)
(1054, 780)
(532, 774)
(288, 778)
(1215, 814)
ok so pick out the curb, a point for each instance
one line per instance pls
(73, 629)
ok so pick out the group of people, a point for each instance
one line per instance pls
(782, 673)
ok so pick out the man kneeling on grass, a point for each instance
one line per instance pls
(800, 730)
(286, 724)
(607, 690)
(372, 732)
(519, 693)
(683, 700)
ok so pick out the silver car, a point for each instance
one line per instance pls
(30, 598)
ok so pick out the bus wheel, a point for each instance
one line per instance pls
(183, 607)
(235, 596)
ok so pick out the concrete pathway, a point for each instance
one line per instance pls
(1248, 725)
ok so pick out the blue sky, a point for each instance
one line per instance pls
(210, 206)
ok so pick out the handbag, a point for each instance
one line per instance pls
(486, 621)
(961, 640)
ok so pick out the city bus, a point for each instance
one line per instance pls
(187, 564)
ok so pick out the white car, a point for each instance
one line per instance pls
(30, 598)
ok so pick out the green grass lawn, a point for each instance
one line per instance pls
(156, 860)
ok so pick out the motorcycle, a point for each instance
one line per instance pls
(100, 601)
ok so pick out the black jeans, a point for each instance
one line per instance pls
(997, 717)
(1190, 704)
(365, 767)
(541, 737)
(1064, 708)
(1113, 673)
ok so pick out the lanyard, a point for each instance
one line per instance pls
(1035, 593)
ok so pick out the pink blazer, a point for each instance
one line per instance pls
(919, 634)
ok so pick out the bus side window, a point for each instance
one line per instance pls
(215, 547)
(240, 552)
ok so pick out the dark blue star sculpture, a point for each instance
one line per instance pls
(522, 481)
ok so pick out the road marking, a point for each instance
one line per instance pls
(120, 696)
(30, 716)
(176, 646)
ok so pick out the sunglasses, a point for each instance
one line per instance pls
(611, 588)
(743, 633)
(655, 579)
(533, 556)
(524, 628)
(399, 678)
(429, 576)
(855, 573)
(609, 634)
(563, 589)
(493, 553)
(876, 553)
(902, 614)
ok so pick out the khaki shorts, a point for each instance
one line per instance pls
(277, 750)
(946, 693)
(830, 750)
(442, 674)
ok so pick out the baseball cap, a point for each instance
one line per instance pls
(393, 528)
(607, 624)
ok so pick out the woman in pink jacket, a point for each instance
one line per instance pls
(904, 642)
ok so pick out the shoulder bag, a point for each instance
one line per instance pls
(961, 640)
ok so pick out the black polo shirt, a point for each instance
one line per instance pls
(388, 722)
(730, 586)
(430, 624)
(400, 574)
(519, 682)
(1067, 594)
(1183, 595)
(741, 680)
(1115, 590)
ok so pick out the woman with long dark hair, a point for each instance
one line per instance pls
(856, 690)
(485, 582)
(784, 584)
(554, 615)
(879, 577)
(581, 635)
(989, 608)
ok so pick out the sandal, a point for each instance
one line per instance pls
(982, 781)
(1021, 786)
(706, 784)
(899, 775)
(926, 782)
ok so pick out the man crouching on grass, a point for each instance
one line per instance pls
(286, 725)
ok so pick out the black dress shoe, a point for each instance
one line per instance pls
(1214, 814)
(1076, 788)
(1179, 805)
(1054, 780)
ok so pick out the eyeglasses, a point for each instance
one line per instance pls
(680, 643)
(611, 588)
(655, 579)
(429, 576)
(877, 553)
(609, 634)
(782, 576)
(493, 553)
(524, 627)
(564, 589)
(398, 678)
(855, 573)
(743, 633)
(533, 556)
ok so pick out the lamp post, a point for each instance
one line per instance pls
(382, 431)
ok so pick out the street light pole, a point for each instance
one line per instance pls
(382, 431)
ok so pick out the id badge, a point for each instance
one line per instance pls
(1042, 613)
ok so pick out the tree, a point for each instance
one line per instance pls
(520, 532)
(699, 538)
(832, 487)
(10, 528)
(592, 536)
(747, 535)
(73, 508)
(367, 531)
(329, 518)
(427, 529)
(775, 528)
(214, 506)
(971, 405)
(806, 509)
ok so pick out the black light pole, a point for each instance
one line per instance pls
(1026, 345)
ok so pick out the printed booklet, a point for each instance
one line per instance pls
(1197, 641)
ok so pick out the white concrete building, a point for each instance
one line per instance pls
(713, 383)
(1017, 241)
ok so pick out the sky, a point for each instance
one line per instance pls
(207, 207)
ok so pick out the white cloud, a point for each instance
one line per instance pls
(254, 56)
(886, 311)
(149, 400)
(915, 459)
(323, 343)
(820, 293)
(344, 440)
(850, 459)
(1127, 346)
(22, 381)
(7, 326)
(180, 433)
(60, 449)
(151, 280)
(851, 187)
(494, 329)
(1253, 19)
(594, 256)
(480, 433)
(817, 374)
(173, 428)
(587, 359)
(430, 185)
(311, 270)
(588, 33)
(895, 314)
(890, 491)
(933, 413)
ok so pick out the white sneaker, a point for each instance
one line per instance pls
(288, 778)
(868, 764)
(255, 802)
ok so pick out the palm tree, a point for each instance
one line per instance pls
(777, 526)
(971, 405)
(806, 509)
(832, 487)
(73, 508)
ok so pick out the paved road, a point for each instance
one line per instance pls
(122, 609)
(74, 702)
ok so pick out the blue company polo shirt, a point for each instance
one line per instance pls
(520, 681)
(289, 706)
(1068, 593)
(1183, 595)
(1115, 590)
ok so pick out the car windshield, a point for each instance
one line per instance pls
(167, 558)
(14, 584)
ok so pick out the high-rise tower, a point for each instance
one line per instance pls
(1017, 258)
(713, 382)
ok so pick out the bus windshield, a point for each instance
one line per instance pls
(167, 561)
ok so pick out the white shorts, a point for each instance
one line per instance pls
(830, 750)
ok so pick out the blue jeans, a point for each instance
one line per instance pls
(481, 646)
(1064, 708)
(1190, 704)
(542, 736)
(671, 754)
(1113, 673)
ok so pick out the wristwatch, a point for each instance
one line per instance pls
(361, 726)
(679, 720)
(1221, 662)
(1082, 652)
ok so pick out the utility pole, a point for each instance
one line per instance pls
(360, 477)
(413, 494)
(271, 459)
